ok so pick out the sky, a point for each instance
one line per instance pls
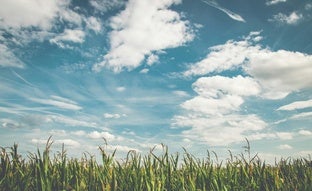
(130, 75)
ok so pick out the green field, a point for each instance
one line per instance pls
(40, 171)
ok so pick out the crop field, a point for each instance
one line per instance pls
(40, 171)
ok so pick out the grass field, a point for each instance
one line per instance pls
(40, 171)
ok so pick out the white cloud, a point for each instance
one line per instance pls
(39, 141)
(144, 71)
(120, 89)
(68, 121)
(278, 72)
(152, 59)
(94, 24)
(213, 114)
(72, 17)
(285, 147)
(99, 135)
(113, 116)
(302, 115)
(274, 2)
(125, 149)
(142, 28)
(231, 14)
(219, 130)
(69, 35)
(18, 15)
(305, 132)
(79, 133)
(181, 93)
(213, 106)
(105, 5)
(284, 135)
(218, 86)
(291, 19)
(8, 59)
(59, 102)
(66, 142)
(220, 95)
(30, 13)
(57, 132)
(225, 57)
(297, 105)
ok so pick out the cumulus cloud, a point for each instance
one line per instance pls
(31, 13)
(274, 2)
(227, 56)
(291, 19)
(219, 130)
(18, 18)
(220, 95)
(278, 72)
(297, 105)
(141, 29)
(99, 135)
(8, 59)
(213, 114)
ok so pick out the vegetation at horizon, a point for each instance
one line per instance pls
(154, 172)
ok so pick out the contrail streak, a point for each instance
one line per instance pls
(20, 77)
(231, 14)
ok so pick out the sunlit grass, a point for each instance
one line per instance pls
(153, 171)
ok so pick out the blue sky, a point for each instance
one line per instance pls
(203, 75)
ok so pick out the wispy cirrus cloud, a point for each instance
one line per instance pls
(305, 132)
(59, 102)
(8, 58)
(296, 105)
(140, 30)
(231, 14)
(274, 2)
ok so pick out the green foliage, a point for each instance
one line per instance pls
(151, 172)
